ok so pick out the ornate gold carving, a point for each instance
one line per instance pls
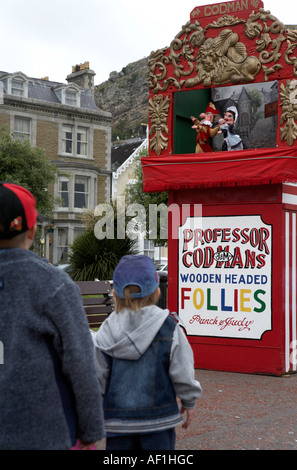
(179, 48)
(288, 97)
(225, 20)
(292, 44)
(158, 109)
(268, 71)
(222, 59)
(255, 29)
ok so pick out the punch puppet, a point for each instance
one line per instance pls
(204, 129)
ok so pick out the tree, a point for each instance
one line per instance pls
(135, 195)
(91, 258)
(28, 166)
(256, 97)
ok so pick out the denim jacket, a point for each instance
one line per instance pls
(135, 372)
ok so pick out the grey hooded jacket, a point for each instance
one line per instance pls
(127, 335)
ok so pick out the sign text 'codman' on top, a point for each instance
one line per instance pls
(225, 8)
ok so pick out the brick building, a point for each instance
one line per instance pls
(62, 118)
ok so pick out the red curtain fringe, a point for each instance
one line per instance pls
(232, 183)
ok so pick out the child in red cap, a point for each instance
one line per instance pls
(49, 393)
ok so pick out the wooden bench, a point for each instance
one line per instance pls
(97, 301)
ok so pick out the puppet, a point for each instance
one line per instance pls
(204, 129)
(232, 141)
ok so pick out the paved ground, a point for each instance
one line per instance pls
(242, 412)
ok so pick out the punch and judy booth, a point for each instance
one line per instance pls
(232, 226)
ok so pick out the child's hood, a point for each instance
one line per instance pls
(127, 335)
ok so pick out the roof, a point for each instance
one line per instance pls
(122, 151)
(43, 90)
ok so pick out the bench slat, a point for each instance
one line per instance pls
(97, 301)
(98, 309)
(97, 318)
(100, 305)
(94, 287)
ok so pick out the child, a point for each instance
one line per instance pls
(49, 392)
(144, 361)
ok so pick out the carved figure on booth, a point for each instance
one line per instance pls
(224, 59)
(204, 129)
(232, 141)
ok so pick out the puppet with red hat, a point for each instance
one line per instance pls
(204, 129)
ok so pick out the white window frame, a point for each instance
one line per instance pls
(69, 95)
(71, 231)
(75, 143)
(90, 193)
(17, 87)
(62, 249)
(149, 248)
(78, 231)
(13, 80)
(18, 134)
(67, 142)
(82, 143)
(33, 125)
(63, 179)
(78, 193)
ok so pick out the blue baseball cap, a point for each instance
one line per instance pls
(135, 270)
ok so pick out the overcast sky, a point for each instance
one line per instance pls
(47, 38)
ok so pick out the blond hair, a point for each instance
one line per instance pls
(133, 304)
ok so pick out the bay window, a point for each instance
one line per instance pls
(81, 192)
(64, 191)
(76, 192)
(62, 244)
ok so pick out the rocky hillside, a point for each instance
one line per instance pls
(125, 95)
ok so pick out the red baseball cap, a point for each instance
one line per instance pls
(17, 210)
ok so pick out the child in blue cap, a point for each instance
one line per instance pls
(144, 363)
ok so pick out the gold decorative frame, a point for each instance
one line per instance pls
(158, 109)
(191, 49)
(288, 97)
(221, 60)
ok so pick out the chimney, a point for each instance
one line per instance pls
(83, 76)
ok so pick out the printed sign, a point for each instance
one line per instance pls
(225, 276)
(271, 109)
(226, 8)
